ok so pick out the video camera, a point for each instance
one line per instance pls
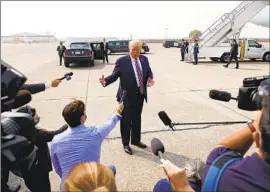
(249, 95)
(17, 129)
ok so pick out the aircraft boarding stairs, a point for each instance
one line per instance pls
(228, 25)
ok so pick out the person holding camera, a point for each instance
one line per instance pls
(80, 143)
(37, 178)
(226, 167)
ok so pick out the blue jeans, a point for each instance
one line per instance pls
(164, 185)
(112, 167)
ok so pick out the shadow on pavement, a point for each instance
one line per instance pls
(179, 160)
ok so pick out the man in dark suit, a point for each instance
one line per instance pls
(183, 49)
(105, 51)
(195, 52)
(233, 54)
(135, 76)
(61, 49)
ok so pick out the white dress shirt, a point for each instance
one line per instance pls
(135, 70)
(48, 85)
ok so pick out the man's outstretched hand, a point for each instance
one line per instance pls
(102, 80)
(55, 83)
(150, 82)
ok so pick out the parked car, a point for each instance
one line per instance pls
(168, 44)
(83, 52)
(121, 46)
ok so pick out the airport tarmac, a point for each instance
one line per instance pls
(181, 89)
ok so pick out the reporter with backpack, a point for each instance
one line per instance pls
(226, 167)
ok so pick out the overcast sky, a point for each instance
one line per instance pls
(117, 19)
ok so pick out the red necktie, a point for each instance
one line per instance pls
(140, 75)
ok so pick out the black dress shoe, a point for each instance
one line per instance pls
(128, 150)
(236, 67)
(140, 145)
(225, 66)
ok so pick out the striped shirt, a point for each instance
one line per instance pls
(79, 144)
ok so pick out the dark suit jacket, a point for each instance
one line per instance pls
(234, 49)
(104, 48)
(123, 69)
(34, 88)
(61, 52)
(43, 155)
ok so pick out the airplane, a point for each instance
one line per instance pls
(262, 18)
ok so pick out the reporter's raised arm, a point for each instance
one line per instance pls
(107, 127)
(241, 140)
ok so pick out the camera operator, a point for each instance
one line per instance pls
(250, 172)
(37, 178)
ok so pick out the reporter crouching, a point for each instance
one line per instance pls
(37, 178)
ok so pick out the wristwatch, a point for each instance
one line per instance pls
(250, 126)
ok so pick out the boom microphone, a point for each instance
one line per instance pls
(165, 119)
(23, 97)
(221, 95)
(158, 148)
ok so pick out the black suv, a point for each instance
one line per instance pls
(120, 46)
(83, 52)
(168, 44)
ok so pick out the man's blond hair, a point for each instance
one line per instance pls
(136, 43)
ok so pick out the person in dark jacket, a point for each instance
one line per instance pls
(195, 52)
(61, 49)
(233, 54)
(37, 178)
(105, 48)
(183, 50)
(187, 44)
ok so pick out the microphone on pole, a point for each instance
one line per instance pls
(165, 119)
(221, 95)
(158, 148)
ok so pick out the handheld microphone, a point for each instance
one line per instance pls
(22, 98)
(158, 148)
(221, 95)
(165, 119)
(67, 76)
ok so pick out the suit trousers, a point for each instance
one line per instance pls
(195, 58)
(60, 59)
(182, 55)
(105, 56)
(37, 179)
(235, 58)
(130, 124)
